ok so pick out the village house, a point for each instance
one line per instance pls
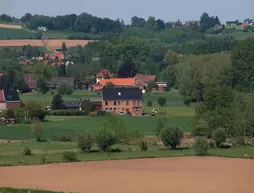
(104, 74)
(116, 82)
(233, 23)
(42, 28)
(122, 101)
(31, 81)
(55, 81)
(9, 99)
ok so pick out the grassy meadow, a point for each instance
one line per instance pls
(6, 34)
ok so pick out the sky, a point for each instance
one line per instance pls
(168, 10)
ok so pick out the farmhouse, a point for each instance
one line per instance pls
(122, 101)
(9, 99)
(145, 78)
(54, 82)
(31, 81)
(116, 82)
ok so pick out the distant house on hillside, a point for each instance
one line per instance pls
(145, 78)
(116, 82)
(103, 74)
(55, 81)
(42, 29)
(122, 101)
(233, 23)
(9, 99)
(54, 56)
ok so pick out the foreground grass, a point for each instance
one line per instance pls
(71, 126)
(12, 153)
(13, 190)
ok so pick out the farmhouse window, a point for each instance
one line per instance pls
(127, 102)
(114, 103)
(106, 103)
(119, 102)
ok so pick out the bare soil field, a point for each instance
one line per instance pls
(181, 175)
(20, 43)
(57, 44)
(11, 26)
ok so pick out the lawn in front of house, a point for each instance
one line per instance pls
(71, 126)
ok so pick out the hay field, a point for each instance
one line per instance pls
(57, 44)
(11, 26)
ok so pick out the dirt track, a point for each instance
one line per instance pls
(176, 175)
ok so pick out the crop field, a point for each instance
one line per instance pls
(57, 44)
(11, 26)
(185, 174)
(20, 43)
(15, 34)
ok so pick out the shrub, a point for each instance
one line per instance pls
(149, 103)
(33, 111)
(87, 106)
(239, 141)
(171, 136)
(27, 151)
(162, 101)
(44, 158)
(105, 138)
(64, 89)
(67, 113)
(62, 138)
(143, 145)
(187, 101)
(37, 131)
(101, 113)
(9, 113)
(70, 156)
(201, 146)
(212, 144)
(57, 101)
(161, 123)
(85, 141)
(219, 135)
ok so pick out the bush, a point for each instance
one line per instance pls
(57, 102)
(64, 89)
(162, 101)
(239, 141)
(70, 156)
(143, 145)
(44, 158)
(27, 151)
(101, 113)
(149, 103)
(62, 138)
(37, 131)
(201, 146)
(187, 101)
(87, 106)
(85, 141)
(161, 123)
(171, 136)
(33, 111)
(219, 135)
(105, 138)
(67, 113)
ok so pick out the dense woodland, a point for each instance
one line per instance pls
(215, 74)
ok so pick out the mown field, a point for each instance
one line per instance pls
(8, 33)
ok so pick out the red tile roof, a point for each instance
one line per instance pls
(146, 78)
(103, 73)
(116, 82)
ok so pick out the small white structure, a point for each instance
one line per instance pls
(42, 29)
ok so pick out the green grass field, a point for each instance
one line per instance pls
(12, 153)
(6, 34)
(55, 35)
(71, 126)
(14, 190)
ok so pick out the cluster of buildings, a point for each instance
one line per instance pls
(54, 59)
(118, 95)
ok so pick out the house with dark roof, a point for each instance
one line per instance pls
(9, 99)
(122, 101)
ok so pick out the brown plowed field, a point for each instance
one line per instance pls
(51, 44)
(57, 44)
(176, 175)
(11, 26)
